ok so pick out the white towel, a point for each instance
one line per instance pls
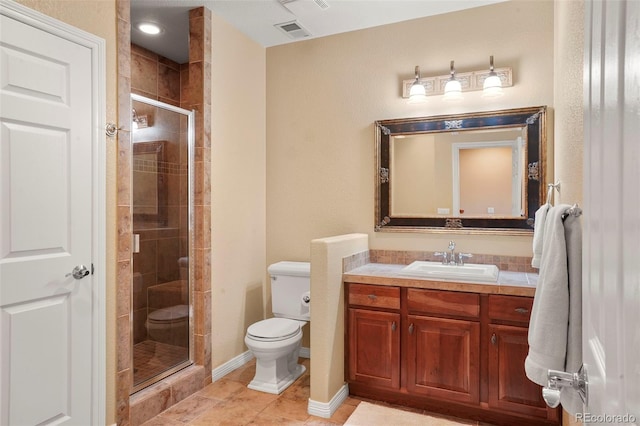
(555, 330)
(538, 234)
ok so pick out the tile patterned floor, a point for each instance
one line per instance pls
(228, 401)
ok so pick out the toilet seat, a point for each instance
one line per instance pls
(274, 329)
(171, 314)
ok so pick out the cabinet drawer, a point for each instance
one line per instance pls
(510, 308)
(443, 303)
(374, 296)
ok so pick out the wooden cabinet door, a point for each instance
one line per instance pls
(509, 387)
(374, 348)
(443, 358)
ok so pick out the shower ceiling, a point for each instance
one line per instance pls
(258, 18)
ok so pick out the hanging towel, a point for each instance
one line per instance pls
(538, 234)
(555, 330)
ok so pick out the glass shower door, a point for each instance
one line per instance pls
(162, 141)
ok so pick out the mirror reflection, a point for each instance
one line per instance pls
(474, 172)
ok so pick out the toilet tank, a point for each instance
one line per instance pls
(290, 288)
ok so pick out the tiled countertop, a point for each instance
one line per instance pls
(512, 283)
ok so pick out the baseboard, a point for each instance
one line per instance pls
(240, 360)
(234, 363)
(305, 352)
(326, 409)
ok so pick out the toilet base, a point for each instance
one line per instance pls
(278, 387)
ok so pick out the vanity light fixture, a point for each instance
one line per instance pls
(492, 87)
(417, 93)
(469, 81)
(453, 88)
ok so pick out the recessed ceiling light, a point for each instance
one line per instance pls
(149, 28)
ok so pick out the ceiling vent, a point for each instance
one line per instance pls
(293, 29)
(308, 5)
(304, 7)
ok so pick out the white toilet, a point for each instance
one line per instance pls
(170, 324)
(275, 342)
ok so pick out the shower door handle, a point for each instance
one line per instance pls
(79, 272)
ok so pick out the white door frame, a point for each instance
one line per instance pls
(98, 142)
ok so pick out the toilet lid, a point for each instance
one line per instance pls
(171, 313)
(274, 329)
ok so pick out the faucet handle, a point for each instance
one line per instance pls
(443, 254)
(452, 245)
(462, 256)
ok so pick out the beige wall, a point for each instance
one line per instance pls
(99, 17)
(567, 99)
(323, 96)
(238, 193)
(413, 176)
(482, 168)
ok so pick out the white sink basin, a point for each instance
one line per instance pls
(466, 272)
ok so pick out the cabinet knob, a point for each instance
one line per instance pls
(411, 328)
(393, 326)
(522, 310)
(372, 296)
(494, 339)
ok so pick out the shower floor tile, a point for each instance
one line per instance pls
(151, 358)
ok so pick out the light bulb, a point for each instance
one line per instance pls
(149, 28)
(417, 93)
(492, 87)
(452, 90)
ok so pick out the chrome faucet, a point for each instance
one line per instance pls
(450, 258)
(452, 252)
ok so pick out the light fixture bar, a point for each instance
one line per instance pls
(470, 81)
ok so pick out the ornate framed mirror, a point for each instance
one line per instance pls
(476, 172)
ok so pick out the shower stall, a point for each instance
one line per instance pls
(162, 200)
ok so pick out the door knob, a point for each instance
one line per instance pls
(79, 272)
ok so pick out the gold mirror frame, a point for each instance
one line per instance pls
(533, 120)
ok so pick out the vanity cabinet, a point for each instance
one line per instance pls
(374, 335)
(460, 353)
(443, 357)
(509, 389)
(375, 343)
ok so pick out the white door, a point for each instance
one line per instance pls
(611, 302)
(47, 122)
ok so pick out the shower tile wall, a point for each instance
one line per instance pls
(154, 76)
(156, 277)
(124, 338)
(199, 98)
(195, 87)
